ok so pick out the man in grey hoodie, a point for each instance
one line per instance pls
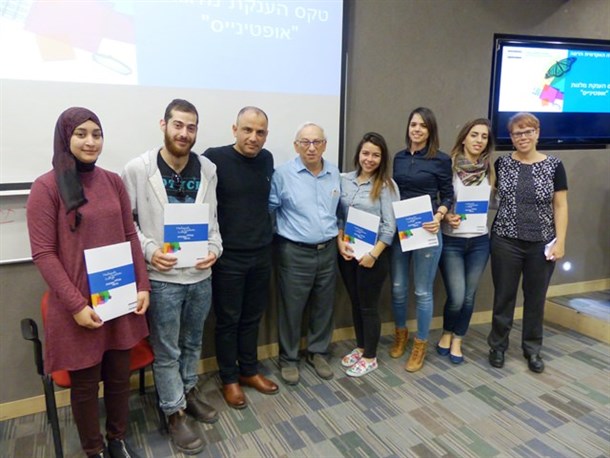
(181, 296)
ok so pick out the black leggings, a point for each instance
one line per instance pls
(364, 288)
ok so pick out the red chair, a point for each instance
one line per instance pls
(141, 357)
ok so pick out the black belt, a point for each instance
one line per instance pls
(311, 246)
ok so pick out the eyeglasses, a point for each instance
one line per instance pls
(526, 133)
(308, 143)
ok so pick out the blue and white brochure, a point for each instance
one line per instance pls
(410, 215)
(472, 205)
(112, 280)
(185, 233)
(360, 231)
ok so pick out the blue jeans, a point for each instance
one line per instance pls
(176, 316)
(425, 263)
(462, 263)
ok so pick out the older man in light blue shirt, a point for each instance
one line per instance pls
(304, 194)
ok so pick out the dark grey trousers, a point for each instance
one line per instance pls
(306, 277)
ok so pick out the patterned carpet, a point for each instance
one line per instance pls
(469, 410)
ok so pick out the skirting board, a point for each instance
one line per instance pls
(36, 404)
(569, 318)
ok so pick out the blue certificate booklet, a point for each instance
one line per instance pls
(410, 215)
(472, 205)
(112, 280)
(185, 234)
(360, 231)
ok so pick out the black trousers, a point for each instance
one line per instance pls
(364, 288)
(240, 295)
(511, 259)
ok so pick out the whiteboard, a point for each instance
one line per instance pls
(14, 239)
(121, 60)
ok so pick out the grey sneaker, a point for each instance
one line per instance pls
(320, 365)
(290, 374)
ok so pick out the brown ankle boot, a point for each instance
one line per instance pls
(183, 435)
(400, 343)
(416, 360)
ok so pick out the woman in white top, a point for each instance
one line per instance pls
(465, 244)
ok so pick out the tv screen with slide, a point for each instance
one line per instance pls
(126, 60)
(565, 82)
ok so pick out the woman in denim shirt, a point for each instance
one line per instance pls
(465, 254)
(419, 169)
(369, 188)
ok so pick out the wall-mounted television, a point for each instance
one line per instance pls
(565, 82)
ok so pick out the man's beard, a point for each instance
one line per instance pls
(176, 150)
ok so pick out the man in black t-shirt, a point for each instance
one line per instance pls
(240, 279)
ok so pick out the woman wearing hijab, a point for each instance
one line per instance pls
(74, 207)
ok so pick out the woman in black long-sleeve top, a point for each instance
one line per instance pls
(419, 169)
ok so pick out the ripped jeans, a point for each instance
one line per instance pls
(425, 264)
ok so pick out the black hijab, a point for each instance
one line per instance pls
(65, 163)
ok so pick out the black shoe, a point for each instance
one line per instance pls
(496, 358)
(118, 448)
(534, 363)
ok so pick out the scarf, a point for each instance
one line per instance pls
(64, 162)
(471, 174)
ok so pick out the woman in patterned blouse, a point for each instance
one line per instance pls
(527, 238)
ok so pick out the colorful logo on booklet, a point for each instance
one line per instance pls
(171, 247)
(403, 235)
(100, 298)
(349, 239)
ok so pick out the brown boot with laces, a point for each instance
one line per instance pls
(400, 343)
(416, 360)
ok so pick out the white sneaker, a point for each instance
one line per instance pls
(351, 358)
(362, 367)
